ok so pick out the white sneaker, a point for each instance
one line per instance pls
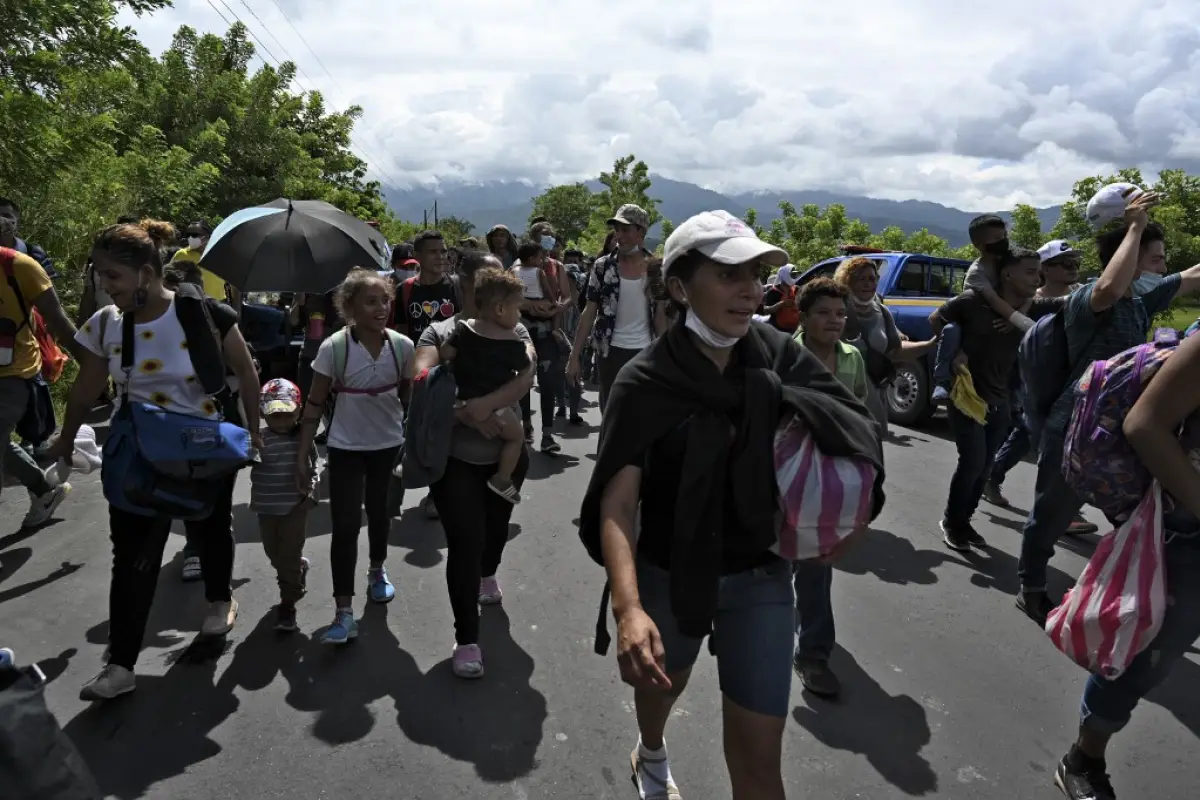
(113, 681)
(41, 508)
(220, 619)
(652, 776)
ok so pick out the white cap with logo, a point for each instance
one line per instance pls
(722, 237)
(1110, 203)
(1055, 249)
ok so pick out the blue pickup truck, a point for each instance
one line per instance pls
(912, 285)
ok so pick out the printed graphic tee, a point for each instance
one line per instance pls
(426, 305)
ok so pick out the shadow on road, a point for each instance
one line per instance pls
(890, 731)
(1177, 694)
(894, 559)
(245, 523)
(424, 537)
(543, 466)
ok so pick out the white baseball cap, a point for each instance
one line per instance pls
(1055, 249)
(786, 275)
(1110, 203)
(721, 237)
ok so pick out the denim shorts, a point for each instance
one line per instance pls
(752, 634)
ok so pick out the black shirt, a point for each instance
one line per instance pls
(991, 354)
(426, 304)
(661, 468)
(483, 365)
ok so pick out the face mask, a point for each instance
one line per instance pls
(194, 242)
(1146, 283)
(8, 227)
(547, 243)
(706, 334)
(996, 248)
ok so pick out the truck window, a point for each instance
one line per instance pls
(911, 280)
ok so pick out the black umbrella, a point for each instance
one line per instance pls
(291, 246)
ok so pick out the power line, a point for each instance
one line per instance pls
(278, 64)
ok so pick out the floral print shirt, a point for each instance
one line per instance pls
(604, 288)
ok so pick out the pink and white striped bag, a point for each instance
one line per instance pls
(1116, 608)
(822, 499)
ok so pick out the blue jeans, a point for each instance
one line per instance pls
(1015, 447)
(947, 349)
(1108, 705)
(815, 629)
(977, 445)
(1055, 504)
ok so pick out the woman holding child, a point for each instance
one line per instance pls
(475, 513)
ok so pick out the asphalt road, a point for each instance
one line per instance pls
(949, 691)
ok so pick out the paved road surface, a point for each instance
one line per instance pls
(949, 691)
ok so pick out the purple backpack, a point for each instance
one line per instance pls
(1098, 461)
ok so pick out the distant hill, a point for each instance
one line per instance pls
(508, 202)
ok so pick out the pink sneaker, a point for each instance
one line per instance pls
(489, 592)
(467, 661)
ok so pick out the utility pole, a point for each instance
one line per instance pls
(425, 224)
(435, 214)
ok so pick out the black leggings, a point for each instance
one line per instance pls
(358, 479)
(138, 544)
(475, 520)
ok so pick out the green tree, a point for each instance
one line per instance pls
(568, 207)
(1025, 229)
(629, 182)
(455, 229)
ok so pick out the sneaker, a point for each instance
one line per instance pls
(992, 494)
(192, 571)
(941, 395)
(285, 619)
(1083, 784)
(113, 681)
(1079, 526)
(1036, 605)
(817, 677)
(561, 414)
(304, 565)
(954, 539)
(652, 777)
(379, 588)
(489, 592)
(577, 421)
(220, 619)
(467, 661)
(529, 434)
(42, 508)
(549, 445)
(972, 536)
(343, 629)
(7, 658)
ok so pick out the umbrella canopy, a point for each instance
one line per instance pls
(319, 208)
(287, 249)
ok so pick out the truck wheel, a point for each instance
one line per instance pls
(908, 397)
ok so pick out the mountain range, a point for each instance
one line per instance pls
(490, 202)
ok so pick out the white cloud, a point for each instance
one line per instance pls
(929, 99)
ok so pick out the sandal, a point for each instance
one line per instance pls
(508, 492)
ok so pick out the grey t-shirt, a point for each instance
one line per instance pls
(468, 444)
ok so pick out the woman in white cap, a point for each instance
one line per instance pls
(687, 443)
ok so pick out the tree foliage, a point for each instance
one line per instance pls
(581, 216)
(568, 208)
(95, 128)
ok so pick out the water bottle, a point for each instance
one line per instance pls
(316, 327)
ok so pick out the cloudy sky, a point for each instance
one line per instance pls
(929, 99)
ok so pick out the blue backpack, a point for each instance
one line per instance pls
(1044, 362)
(160, 463)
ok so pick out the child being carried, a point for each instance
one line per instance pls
(487, 354)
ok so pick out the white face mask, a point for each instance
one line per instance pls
(706, 334)
(1146, 282)
(194, 242)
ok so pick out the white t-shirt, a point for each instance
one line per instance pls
(162, 369)
(366, 421)
(631, 328)
(530, 276)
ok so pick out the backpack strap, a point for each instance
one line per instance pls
(406, 290)
(396, 343)
(341, 353)
(6, 262)
(204, 340)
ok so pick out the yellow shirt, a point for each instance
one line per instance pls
(214, 287)
(33, 280)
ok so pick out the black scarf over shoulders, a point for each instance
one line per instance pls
(671, 382)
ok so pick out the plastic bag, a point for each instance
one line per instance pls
(822, 499)
(1117, 607)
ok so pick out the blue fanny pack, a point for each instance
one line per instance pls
(160, 463)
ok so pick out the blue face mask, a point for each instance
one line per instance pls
(1145, 283)
(547, 243)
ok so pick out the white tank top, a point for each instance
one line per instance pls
(631, 329)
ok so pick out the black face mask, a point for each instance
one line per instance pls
(997, 248)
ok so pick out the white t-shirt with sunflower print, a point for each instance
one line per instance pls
(162, 367)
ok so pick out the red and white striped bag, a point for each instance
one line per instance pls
(1116, 608)
(822, 499)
